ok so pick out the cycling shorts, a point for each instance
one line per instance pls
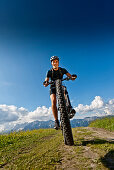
(52, 90)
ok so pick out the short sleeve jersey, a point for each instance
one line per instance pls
(56, 74)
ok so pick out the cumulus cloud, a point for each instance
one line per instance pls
(97, 107)
(2, 128)
(23, 111)
(11, 115)
(41, 113)
(95, 104)
(111, 101)
(8, 113)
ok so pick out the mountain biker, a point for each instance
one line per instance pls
(55, 73)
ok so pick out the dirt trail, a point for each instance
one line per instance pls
(93, 149)
(102, 133)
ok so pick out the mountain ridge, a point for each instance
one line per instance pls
(50, 124)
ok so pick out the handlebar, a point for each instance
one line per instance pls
(66, 78)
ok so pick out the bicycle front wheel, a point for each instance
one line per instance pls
(66, 127)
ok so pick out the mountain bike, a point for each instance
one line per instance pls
(64, 107)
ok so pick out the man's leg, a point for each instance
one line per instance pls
(54, 110)
(53, 105)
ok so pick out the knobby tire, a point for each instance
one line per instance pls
(66, 127)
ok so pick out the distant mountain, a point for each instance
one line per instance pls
(50, 124)
(19, 127)
(82, 122)
(39, 125)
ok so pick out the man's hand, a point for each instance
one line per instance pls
(74, 76)
(45, 83)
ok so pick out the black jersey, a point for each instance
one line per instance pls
(56, 74)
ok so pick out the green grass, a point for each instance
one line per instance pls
(45, 149)
(37, 149)
(103, 148)
(105, 123)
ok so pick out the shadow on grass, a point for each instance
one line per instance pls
(108, 160)
(96, 141)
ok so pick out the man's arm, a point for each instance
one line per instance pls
(71, 77)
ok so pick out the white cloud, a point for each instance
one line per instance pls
(23, 111)
(8, 113)
(2, 128)
(41, 113)
(97, 103)
(111, 101)
(12, 115)
(97, 108)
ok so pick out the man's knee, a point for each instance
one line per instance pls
(53, 102)
(53, 99)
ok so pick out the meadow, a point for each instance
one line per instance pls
(45, 149)
(105, 123)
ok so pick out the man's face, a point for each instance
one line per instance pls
(55, 63)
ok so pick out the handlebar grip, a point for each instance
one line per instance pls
(74, 75)
(45, 82)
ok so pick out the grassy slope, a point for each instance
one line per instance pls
(36, 149)
(45, 149)
(106, 123)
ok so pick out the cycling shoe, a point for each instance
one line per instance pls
(71, 113)
(57, 126)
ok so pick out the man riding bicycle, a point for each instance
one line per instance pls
(55, 73)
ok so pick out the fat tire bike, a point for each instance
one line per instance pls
(64, 106)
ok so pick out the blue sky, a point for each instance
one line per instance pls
(81, 33)
(24, 65)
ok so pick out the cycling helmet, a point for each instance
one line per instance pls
(53, 58)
